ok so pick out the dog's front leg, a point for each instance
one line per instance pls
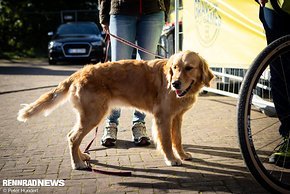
(162, 127)
(177, 139)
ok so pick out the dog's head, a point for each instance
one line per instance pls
(186, 71)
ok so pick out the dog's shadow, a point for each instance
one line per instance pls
(206, 173)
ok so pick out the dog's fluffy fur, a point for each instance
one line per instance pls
(165, 88)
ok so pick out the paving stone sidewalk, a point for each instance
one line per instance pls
(38, 149)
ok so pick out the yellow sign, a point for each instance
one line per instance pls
(226, 33)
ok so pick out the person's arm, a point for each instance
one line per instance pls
(262, 2)
(167, 8)
(104, 10)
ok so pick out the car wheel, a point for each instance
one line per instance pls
(51, 62)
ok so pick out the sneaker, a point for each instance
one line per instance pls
(110, 135)
(140, 136)
(282, 155)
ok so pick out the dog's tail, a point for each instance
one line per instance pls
(47, 102)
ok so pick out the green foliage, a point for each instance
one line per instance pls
(24, 24)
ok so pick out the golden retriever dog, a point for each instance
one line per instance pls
(167, 88)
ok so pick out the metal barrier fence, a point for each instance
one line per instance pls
(228, 82)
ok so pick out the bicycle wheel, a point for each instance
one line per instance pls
(258, 128)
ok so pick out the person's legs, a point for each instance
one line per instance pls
(149, 28)
(114, 116)
(275, 27)
(140, 136)
(148, 32)
(124, 27)
(138, 117)
(109, 137)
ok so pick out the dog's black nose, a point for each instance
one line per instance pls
(176, 84)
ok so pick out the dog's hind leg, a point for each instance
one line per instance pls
(177, 139)
(162, 127)
(82, 128)
(89, 116)
(83, 156)
(79, 132)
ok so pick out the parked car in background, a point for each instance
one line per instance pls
(76, 41)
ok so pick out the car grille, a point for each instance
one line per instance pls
(76, 49)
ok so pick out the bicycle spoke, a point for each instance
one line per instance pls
(264, 150)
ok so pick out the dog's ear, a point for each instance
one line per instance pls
(207, 75)
(168, 70)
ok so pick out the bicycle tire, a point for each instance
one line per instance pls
(254, 163)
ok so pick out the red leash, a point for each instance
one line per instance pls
(107, 41)
(129, 44)
(116, 173)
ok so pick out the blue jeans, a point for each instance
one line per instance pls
(275, 27)
(144, 31)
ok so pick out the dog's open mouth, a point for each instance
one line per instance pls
(181, 93)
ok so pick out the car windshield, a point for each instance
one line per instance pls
(78, 28)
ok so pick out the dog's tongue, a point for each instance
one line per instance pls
(178, 92)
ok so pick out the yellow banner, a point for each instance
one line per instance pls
(227, 33)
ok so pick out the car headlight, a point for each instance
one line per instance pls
(97, 43)
(53, 44)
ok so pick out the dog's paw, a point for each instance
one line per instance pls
(85, 156)
(79, 166)
(173, 162)
(185, 156)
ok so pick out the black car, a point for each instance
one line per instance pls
(76, 41)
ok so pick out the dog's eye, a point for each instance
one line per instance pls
(175, 67)
(188, 68)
